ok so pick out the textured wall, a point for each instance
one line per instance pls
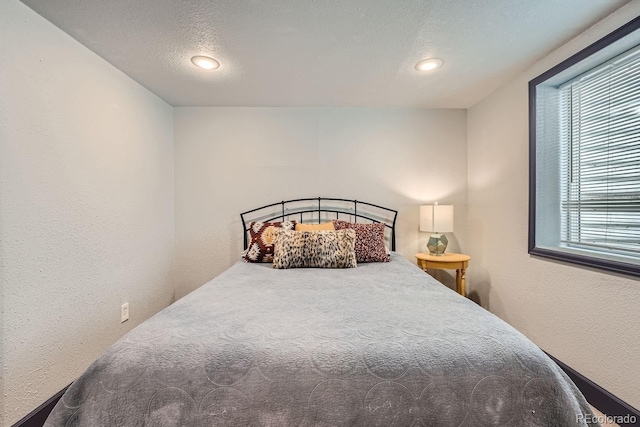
(228, 160)
(86, 207)
(587, 318)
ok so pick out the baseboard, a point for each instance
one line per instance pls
(38, 416)
(600, 398)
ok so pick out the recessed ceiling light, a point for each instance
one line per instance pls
(205, 62)
(429, 64)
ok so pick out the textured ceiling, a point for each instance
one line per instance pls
(323, 52)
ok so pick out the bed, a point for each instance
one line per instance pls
(382, 344)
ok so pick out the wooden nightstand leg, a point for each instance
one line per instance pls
(458, 280)
(463, 283)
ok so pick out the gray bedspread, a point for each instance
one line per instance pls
(379, 345)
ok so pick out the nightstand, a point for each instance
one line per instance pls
(458, 262)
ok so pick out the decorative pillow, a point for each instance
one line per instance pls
(370, 245)
(319, 249)
(314, 227)
(263, 234)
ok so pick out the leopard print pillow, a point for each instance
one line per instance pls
(314, 249)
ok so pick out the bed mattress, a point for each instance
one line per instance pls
(382, 344)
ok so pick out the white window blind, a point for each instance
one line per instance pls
(600, 158)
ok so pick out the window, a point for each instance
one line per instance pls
(585, 156)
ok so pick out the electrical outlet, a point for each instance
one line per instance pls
(124, 312)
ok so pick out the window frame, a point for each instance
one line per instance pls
(584, 260)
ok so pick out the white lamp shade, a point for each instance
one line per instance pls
(436, 218)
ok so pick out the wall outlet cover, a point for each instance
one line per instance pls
(124, 312)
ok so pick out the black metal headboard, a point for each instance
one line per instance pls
(321, 209)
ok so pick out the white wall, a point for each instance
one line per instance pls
(86, 207)
(588, 319)
(228, 160)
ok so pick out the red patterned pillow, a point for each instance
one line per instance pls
(370, 246)
(263, 236)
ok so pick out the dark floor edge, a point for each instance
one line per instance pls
(601, 399)
(38, 416)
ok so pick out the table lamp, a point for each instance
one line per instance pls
(437, 219)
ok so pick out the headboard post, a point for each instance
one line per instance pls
(244, 233)
(393, 233)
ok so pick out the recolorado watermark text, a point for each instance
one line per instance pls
(602, 419)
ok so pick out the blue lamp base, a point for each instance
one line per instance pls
(437, 244)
